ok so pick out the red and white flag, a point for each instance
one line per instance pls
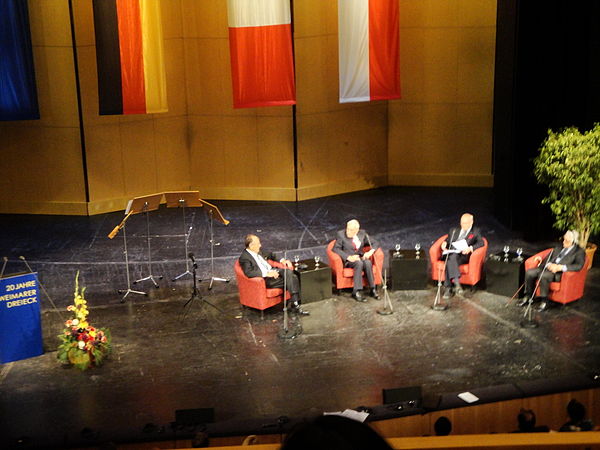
(260, 44)
(368, 46)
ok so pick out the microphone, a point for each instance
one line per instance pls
(191, 256)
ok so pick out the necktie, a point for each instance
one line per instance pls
(265, 266)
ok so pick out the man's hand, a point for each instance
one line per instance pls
(287, 263)
(353, 258)
(538, 260)
(467, 250)
(272, 274)
(554, 268)
(444, 245)
(368, 254)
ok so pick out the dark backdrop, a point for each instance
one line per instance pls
(547, 76)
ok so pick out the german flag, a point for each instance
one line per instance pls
(129, 55)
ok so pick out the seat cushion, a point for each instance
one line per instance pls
(274, 292)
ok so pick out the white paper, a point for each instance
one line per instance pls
(468, 397)
(359, 416)
(460, 245)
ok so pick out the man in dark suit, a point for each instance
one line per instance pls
(568, 257)
(350, 245)
(466, 238)
(255, 264)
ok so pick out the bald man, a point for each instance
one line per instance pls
(350, 245)
(568, 257)
(465, 234)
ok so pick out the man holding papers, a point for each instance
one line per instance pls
(459, 245)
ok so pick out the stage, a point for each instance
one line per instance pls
(219, 355)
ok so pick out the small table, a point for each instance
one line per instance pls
(315, 282)
(408, 271)
(503, 276)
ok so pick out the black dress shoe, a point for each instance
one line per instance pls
(458, 290)
(301, 312)
(358, 297)
(296, 308)
(523, 302)
(374, 294)
(543, 306)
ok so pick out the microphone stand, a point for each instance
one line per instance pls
(528, 321)
(438, 305)
(386, 299)
(195, 292)
(285, 332)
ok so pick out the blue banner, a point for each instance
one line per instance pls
(18, 93)
(20, 321)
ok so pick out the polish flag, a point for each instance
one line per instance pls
(262, 62)
(368, 50)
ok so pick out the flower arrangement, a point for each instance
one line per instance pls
(81, 344)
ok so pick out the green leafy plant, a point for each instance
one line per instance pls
(81, 344)
(569, 164)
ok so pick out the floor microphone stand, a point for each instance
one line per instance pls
(528, 320)
(386, 311)
(195, 292)
(187, 234)
(285, 332)
(128, 290)
(212, 257)
(438, 305)
(150, 276)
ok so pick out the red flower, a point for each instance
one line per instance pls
(470, 236)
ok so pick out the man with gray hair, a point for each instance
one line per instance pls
(568, 257)
(350, 245)
(469, 239)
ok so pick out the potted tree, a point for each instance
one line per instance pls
(569, 164)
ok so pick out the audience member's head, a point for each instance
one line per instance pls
(526, 419)
(200, 440)
(334, 433)
(442, 426)
(576, 411)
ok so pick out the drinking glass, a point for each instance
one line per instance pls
(519, 253)
(296, 259)
(398, 247)
(317, 259)
(506, 249)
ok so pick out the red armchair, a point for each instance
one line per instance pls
(343, 276)
(570, 287)
(254, 292)
(470, 273)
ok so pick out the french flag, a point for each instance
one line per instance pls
(368, 50)
(262, 61)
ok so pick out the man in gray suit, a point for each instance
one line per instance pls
(568, 257)
(350, 245)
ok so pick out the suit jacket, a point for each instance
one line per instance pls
(344, 247)
(574, 260)
(474, 238)
(249, 265)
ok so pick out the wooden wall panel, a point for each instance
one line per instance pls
(440, 131)
(341, 148)
(41, 168)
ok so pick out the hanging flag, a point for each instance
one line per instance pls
(18, 94)
(129, 55)
(368, 50)
(260, 45)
